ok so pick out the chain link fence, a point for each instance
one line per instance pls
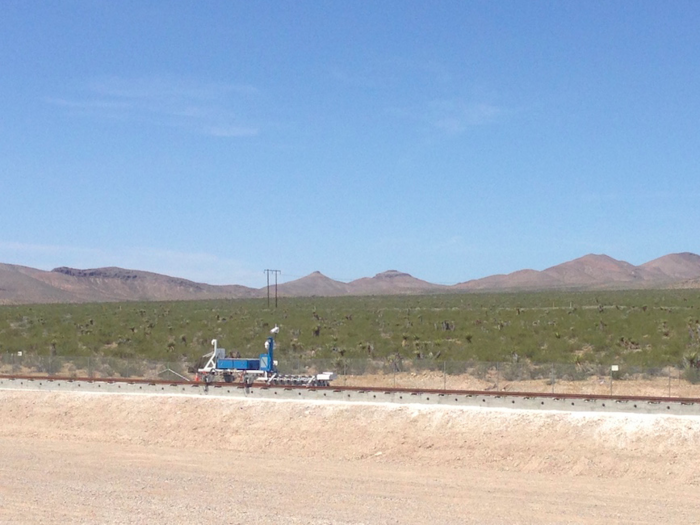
(521, 376)
(92, 367)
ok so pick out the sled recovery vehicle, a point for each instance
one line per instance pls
(217, 367)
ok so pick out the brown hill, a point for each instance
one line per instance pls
(675, 266)
(313, 284)
(19, 284)
(522, 279)
(392, 282)
(595, 272)
(692, 283)
(118, 284)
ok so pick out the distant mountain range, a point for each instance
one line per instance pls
(23, 285)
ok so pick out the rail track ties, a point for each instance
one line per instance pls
(381, 394)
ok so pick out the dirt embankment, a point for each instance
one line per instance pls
(638, 446)
(132, 459)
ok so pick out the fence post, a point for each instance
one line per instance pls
(553, 378)
(611, 380)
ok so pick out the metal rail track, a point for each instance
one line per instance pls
(363, 389)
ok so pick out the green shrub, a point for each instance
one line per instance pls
(692, 375)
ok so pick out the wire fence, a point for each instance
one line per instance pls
(670, 381)
(92, 367)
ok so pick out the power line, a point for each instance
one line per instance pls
(268, 272)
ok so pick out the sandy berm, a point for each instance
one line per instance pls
(109, 458)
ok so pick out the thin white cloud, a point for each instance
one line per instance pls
(456, 115)
(391, 71)
(601, 198)
(231, 131)
(205, 108)
(90, 104)
(353, 79)
(166, 90)
(436, 71)
(431, 71)
(452, 116)
(39, 249)
(454, 245)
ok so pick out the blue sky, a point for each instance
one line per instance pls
(450, 140)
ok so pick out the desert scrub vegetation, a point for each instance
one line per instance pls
(634, 328)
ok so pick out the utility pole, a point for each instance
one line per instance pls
(268, 272)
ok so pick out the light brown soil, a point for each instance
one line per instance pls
(636, 386)
(106, 458)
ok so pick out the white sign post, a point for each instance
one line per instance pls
(613, 368)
